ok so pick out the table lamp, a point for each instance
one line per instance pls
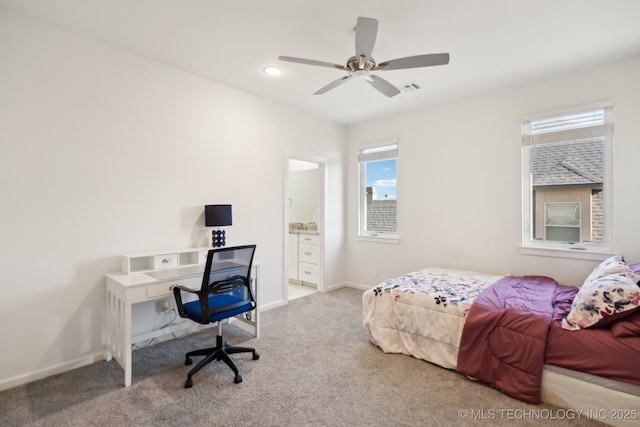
(217, 216)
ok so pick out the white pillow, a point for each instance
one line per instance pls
(611, 265)
(604, 300)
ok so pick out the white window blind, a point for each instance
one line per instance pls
(378, 153)
(562, 214)
(597, 123)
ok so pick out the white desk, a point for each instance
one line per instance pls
(124, 290)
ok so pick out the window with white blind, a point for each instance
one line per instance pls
(566, 176)
(562, 221)
(377, 188)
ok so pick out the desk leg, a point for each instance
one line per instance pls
(110, 325)
(256, 314)
(119, 332)
(126, 344)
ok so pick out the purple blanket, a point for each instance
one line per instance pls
(504, 337)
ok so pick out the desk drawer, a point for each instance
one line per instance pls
(163, 289)
(160, 262)
(160, 290)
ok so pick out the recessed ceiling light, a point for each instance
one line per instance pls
(272, 71)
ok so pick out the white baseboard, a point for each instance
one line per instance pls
(335, 287)
(347, 285)
(272, 305)
(53, 370)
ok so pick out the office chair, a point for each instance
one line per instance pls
(226, 292)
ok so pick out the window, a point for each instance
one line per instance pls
(566, 163)
(377, 184)
(562, 222)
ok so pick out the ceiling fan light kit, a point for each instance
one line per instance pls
(362, 64)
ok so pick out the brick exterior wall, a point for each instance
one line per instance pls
(597, 216)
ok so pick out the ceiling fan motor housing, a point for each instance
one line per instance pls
(360, 65)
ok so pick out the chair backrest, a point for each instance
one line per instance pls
(227, 274)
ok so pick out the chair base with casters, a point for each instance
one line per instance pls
(220, 352)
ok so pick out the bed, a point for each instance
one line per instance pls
(527, 336)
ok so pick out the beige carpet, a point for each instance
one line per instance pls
(317, 368)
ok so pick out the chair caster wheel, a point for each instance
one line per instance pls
(188, 383)
(256, 356)
(237, 379)
(188, 362)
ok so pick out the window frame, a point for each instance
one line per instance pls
(362, 233)
(578, 250)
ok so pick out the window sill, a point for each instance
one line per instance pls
(390, 239)
(582, 254)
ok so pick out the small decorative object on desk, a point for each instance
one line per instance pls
(217, 216)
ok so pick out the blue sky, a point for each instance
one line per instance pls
(381, 174)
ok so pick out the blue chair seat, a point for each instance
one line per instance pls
(193, 311)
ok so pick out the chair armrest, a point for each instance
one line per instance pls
(177, 294)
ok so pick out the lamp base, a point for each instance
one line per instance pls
(218, 238)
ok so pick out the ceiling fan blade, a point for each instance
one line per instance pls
(417, 61)
(366, 32)
(311, 62)
(332, 85)
(382, 85)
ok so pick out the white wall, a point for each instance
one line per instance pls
(104, 153)
(459, 184)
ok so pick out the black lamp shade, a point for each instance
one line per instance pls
(217, 215)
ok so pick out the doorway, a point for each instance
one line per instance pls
(304, 226)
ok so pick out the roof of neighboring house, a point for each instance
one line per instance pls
(567, 164)
(381, 216)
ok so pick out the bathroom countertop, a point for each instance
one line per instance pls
(297, 231)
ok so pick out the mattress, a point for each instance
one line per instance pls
(608, 401)
(422, 313)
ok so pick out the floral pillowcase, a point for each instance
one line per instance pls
(615, 264)
(609, 293)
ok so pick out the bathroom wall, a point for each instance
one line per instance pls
(304, 196)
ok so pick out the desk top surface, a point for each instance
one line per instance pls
(158, 276)
(141, 279)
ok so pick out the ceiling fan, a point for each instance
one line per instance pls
(362, 64)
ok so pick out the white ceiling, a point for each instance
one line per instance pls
(492, 43)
